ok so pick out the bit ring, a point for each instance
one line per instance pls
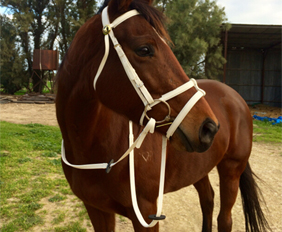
(157, 101)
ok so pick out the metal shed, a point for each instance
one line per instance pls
(253, 68)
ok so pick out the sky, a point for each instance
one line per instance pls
(253, 11)
(249, 11)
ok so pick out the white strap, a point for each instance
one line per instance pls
(169, 96)
(164, 98)
(123, 17)
(83, 166)
(132, 181)
(105, 21)
(179, 90)
(103, 62)
(182, 114)
(133, 77)
(131, 73)
(130, 151)
(150, 127)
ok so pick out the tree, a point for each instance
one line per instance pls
(12, 65)
(195, 27)
(31, 21)
(72, 15)
(39, 23)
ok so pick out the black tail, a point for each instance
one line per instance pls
(251, 196)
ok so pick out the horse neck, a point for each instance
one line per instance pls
(80, 61)
(94, 132)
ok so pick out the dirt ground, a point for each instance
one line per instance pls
(182, 207)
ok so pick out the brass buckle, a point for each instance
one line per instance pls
(106, 29)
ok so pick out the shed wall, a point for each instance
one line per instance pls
(255, 75)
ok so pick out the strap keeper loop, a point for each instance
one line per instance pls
(155, 217)
(109, 167)
(140, 84)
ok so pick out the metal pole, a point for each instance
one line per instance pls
(264, 54)
(225, 56)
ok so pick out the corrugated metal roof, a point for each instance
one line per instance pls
(253, 36)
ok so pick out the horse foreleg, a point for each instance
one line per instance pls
(206, 195)
(101, 221)
(229, 174)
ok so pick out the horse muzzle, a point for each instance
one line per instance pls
(207, 132)
(183, 141)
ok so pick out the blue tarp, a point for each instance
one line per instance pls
(274, 120)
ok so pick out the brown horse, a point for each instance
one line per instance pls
(94, 125)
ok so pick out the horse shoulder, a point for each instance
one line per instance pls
(225, 100)
(233, 114)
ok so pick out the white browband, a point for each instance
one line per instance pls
(149, 102)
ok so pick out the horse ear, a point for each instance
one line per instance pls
(119, 5)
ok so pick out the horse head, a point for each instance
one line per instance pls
(134, 67)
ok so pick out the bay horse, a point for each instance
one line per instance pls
(96, 98)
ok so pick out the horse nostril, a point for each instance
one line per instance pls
(208, 131)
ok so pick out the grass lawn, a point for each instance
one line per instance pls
(264, 131)
(33, 186)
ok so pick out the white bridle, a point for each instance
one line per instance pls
(136, 82)
(149, 102)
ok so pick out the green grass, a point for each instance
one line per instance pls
(32, 183)
(264, 131)
(24, 90)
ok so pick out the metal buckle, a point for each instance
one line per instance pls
(155, 217)
(148, 107)
(108, 169)
(106, 29)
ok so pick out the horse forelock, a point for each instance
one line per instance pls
(152, 15)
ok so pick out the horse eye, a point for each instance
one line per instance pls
(144, 51)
